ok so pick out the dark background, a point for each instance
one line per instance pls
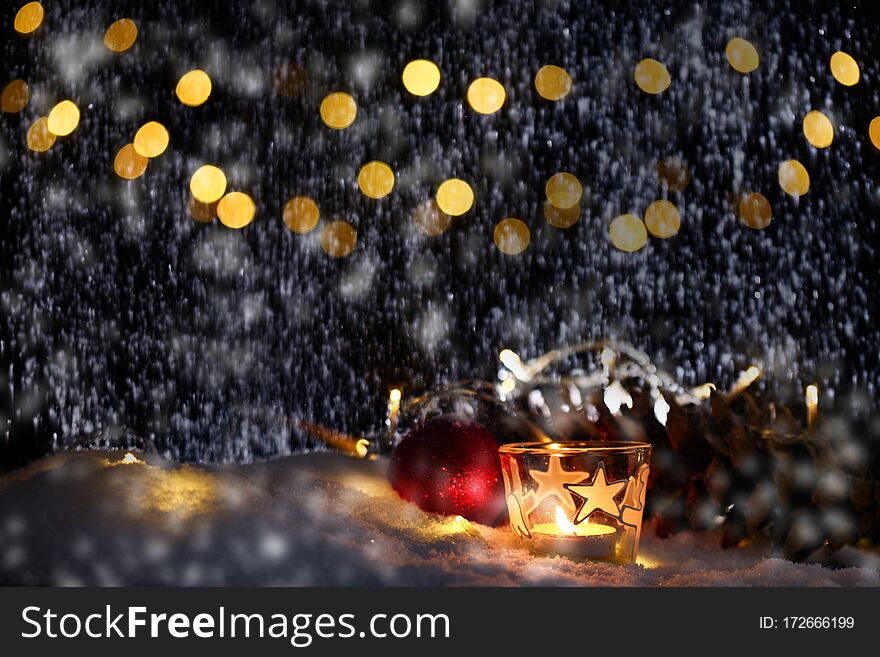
(111, 317)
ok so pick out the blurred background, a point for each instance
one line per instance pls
(119, 309)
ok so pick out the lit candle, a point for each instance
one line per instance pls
(564, 537)
(812, 400)
(580, 499)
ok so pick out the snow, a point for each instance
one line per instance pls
(85, 518)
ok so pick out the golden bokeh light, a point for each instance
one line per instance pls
(151, 140)
(874, 131)
(202, 212)
(486, 95)
(552, 82)
(421, 77)
(844, 68)
(193, 88)
(563, 190)
(301, 214)
(561, 217)
(376, 179)
(129, 164)
(63, 118)
(651, 76)
(338, 239)
(338, 110)
(236, 210)
(818, 129)
(755, 211)
(662, 219)
(511, 236)
(39, 138)
(673, 173)
(455, 197)
(628, 233)
(742, 55)
(121, 35)
(793, 178)
(430, 219)
(29, 18)
(15, 96)
(207, 184)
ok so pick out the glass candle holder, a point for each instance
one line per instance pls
(583, 500)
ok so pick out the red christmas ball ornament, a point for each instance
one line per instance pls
(450, 466)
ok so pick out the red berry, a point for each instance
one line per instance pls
(450, 466)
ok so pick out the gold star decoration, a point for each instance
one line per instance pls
(598, 496)
(553, 481)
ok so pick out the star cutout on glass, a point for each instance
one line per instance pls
(598, 496)
(553, 481)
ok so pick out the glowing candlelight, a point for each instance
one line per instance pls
(745, 379)
(130, 458)
(812, 401)
(579, 499)
(565, 527)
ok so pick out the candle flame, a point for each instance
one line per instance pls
(564, 523)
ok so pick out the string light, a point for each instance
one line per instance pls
(812, 403)
(338, 110)
(207, 184)
(151, 140)
(563, 190)
(193, 88)
(455, 197)
(552, 82)
(755, 211)
(421, 77)
(874, 132)
(121, 35)
(236, 210)
(651, 76)
(39, 138)
(375, 179)
(741, 55)
(844, 68)
(662, 219)
(818, 129)
(338, 239)
(129, 164)
(628, 233)
(63, 118)
(301, 214)
(430, 219)
(486, 95)
(746, 378)
(28, 18)
(561, 217)
(511, 236)
(793, 178)
(15, 97)
(673, 173)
